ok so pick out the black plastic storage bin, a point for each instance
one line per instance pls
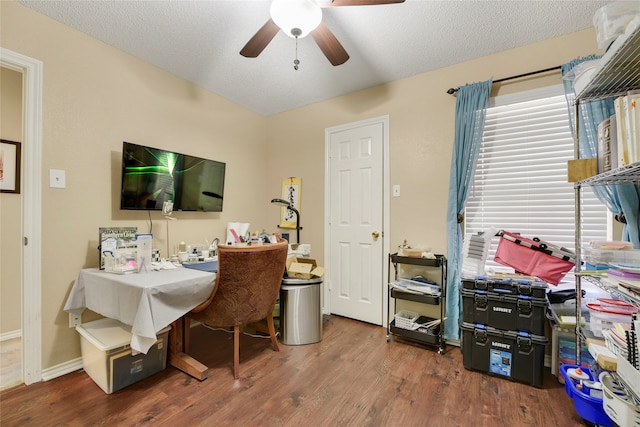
(517, 356)
(510, 312)
(531, 288)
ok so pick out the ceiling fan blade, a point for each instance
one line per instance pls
(329, 45)
(335, 3)
(260, 40)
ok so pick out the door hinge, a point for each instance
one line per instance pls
(26, 240)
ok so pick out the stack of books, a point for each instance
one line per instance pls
(624, 282)
(616, 339)
(619, 135)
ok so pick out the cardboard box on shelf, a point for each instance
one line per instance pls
(580, 169)
(606, 359)
(303, 268)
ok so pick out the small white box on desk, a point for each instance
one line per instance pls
(107, 356)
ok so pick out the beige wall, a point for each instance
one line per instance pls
(421, 116)
(96, 96)
(10, 208)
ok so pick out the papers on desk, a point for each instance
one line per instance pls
(162, 265)
(416, 286)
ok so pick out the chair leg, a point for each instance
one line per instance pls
(236, 352)
(272, 332)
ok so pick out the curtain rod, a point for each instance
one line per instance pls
(451, 91)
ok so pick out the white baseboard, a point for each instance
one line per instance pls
(54, 371)
(62, 369)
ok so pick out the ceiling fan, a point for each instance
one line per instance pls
(297, 18)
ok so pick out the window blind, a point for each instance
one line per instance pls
(520, 182)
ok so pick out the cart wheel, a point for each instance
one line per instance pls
(441, 350)
(388, 338)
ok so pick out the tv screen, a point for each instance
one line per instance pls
(151, 176)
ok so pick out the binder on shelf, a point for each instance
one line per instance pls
(632, 343)
(633, 117)
(627, 112)
(604, 145)
(632, 348)
(621, 130)
(613, 133)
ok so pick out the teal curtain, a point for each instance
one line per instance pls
(619, 198)
(471, 106)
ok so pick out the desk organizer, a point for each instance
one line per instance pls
(588, 407)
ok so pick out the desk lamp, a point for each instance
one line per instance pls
(294, 210)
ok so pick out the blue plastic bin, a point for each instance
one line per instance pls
(588, 407)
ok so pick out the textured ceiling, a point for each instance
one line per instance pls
(200, 40)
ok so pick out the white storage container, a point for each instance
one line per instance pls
(107, 356)
(618, 403)
(611, 256)
(583, 73)
(612, 19)
(603, 318)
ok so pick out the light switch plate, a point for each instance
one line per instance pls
(57, 178)
(396, 191)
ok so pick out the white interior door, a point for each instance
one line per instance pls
(356, 179)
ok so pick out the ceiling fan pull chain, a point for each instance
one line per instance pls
(296, 61)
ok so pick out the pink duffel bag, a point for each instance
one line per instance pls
(534, 257)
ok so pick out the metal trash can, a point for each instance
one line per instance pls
(300, 311)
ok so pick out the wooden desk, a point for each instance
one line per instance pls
(148, 302)
(177, 357)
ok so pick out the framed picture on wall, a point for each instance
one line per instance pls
(290, 193)
(9, 166)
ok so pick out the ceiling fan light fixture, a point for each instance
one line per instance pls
(296, 18)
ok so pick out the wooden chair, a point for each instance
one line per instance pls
(247, 287)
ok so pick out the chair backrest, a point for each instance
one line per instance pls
(248, 283)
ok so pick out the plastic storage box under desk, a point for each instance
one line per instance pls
(107, 356)
(513, 355)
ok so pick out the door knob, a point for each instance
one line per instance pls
(375, 234)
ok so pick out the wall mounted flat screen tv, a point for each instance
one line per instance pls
(151, 176)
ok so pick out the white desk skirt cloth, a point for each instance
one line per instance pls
(146, 301)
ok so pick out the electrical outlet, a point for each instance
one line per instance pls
(74, 320)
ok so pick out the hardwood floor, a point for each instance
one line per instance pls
(353, 377)
(10, 363)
